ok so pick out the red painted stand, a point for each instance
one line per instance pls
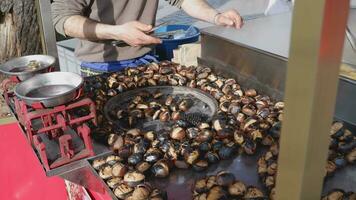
(21, 175)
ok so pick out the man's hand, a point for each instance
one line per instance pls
(134, 33)
(229, 18)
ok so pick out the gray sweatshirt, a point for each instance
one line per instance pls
(108, 12)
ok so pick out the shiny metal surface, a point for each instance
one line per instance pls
(83, 174)
(349, 54)
(272, 34)
(18, 66)
(264, 67)
(351, 38)
(201, 103)
(51, 89)
(180, 181)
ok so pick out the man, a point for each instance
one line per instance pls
(95, 22)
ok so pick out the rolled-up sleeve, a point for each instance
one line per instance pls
(63, 9)
(177, 3)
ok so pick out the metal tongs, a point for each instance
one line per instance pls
(351, 38)
(152, 32)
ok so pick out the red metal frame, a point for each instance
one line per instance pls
(55, 121)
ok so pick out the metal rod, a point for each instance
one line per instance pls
(351, 38)
(47, 32)
(317, 40)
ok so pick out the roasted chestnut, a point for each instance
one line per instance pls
(152, 156)
(134, 178)
(351, 157)
(212, 157)
(200, 165)
(114, 182)
(143, 166)
(225, 152)
(335, 194)
(119, 170)
(225, 178)
(134, 159)
(178, 133)
(217, 193)
(253, 192)
(122, 191)
(105, 172)
(237, 189)
(200, 186)
(142, 192)
(160, 169)
(192, 157)
(98, 163)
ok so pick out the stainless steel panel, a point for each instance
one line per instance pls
(272, 34)
(346, 105)
(265, 71)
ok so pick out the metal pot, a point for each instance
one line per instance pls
(50, 89)
(21, 68)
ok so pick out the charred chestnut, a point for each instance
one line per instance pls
(160, 169)
(134, 159)
(225, 152)
(212, 157)
(225, 178)
(152, 156)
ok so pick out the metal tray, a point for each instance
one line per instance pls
(203, 103)
(19, 66)
(179, 183)
(50, 89)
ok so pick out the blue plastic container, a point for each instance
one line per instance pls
(164, 51)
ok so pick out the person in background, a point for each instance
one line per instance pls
(95, 22)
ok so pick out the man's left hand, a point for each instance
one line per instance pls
(229, 18)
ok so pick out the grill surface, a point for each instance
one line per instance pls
(203, 106)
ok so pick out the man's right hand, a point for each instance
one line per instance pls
(134, 33)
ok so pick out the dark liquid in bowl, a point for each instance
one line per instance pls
(22, 69)
(49, 91)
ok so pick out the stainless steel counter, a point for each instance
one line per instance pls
(272, 34)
